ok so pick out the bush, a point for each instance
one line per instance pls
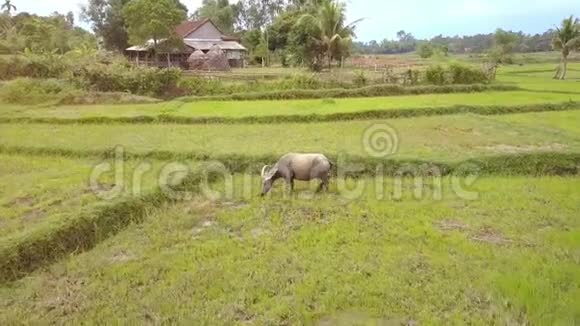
(461, 74)
(199, 86)
(436, 75)
(34, 66)
(126, 78)
(456, 74)
(35, 91)
(101, 72)
(360, 79)
(302, 81)
(425, 50)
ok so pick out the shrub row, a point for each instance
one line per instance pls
(35, 91)
(36, 66)
(455, 74)
(368, 91)
(60, 92)
(94, 73)
(132, 79)
(196, 85)
(362, 115)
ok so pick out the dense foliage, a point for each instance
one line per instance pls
(109, 23)
(54, 33)
(152, 20)
(98, 72)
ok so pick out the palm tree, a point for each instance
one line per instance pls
(8, 6)
(332, 34)
(567, 39)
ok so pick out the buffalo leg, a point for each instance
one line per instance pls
(290, 184)
(323, 185)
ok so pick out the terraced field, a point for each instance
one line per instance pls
(471, 216)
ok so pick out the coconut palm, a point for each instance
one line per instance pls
(8, 6)
(332, 34)
(567, 39)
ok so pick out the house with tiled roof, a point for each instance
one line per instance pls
(202, 35)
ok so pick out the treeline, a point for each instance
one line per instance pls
(54, 33)
(479, 43)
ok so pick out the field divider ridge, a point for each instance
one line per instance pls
(523, 164)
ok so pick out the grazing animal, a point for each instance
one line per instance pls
(302, 167)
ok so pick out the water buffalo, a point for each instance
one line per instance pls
(294, 166)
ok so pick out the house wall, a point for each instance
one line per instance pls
(232, 54)
(206, 31)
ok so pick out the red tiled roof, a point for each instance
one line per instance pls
(188, 27)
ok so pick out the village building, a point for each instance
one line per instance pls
(199, 37)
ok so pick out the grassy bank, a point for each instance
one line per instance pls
(508, 257)
(441, 138)
(49, 207)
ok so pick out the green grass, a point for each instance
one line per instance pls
(565, 122)
(60, 206)
(39, 191)
(538, 77)
(236, 109)
(441, 138)
(42, 196)
(509, 257)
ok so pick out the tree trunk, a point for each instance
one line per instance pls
(564, 67)
(155, 57)
(560, 72)
(329, 61)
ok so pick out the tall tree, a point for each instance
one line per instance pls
(220, 12)
(255, 14)
(51, 34)
(505, 43)
(332, 34)
(152, 20)
(106, 17)
(8, 7)
(566, 39)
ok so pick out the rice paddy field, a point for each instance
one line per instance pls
(116, 214)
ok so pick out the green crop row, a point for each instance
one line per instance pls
(368, 91)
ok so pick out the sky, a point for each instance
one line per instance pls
(422, 18)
